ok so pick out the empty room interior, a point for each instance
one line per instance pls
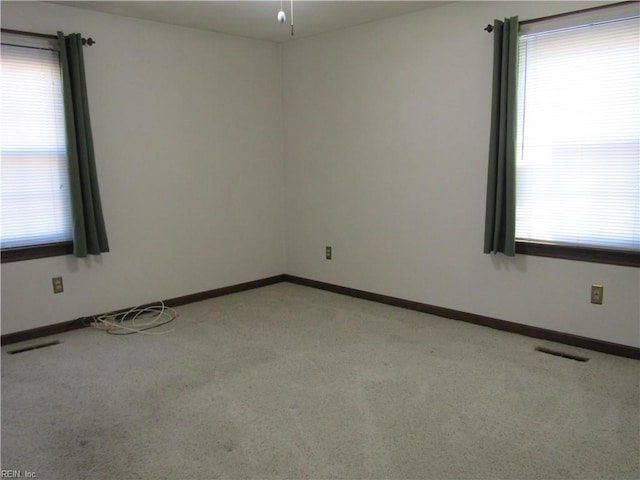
(308, 199)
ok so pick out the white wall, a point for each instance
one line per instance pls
(188, 134)
(386, 143)
(386, 132)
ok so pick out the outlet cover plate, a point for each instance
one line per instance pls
(597, 292)
(58, 287)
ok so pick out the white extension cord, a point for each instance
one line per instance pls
(137, 320)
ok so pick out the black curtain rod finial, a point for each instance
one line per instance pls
(88, 41)
(488, 28)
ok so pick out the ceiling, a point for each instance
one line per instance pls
(257, 19)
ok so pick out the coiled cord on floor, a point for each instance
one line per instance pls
(137, 320)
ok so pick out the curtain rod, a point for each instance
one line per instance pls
(489, 28)
(85, 41)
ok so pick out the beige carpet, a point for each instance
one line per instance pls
(291, 382)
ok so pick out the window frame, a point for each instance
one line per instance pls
(583, 253)
(18, 254)
(623, 258)
(45, 250)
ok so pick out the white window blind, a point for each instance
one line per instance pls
(578, 145)
(35, 199)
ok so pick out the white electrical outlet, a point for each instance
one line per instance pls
(597, 291)
(58, 287)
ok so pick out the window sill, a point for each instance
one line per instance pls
(38, 251)
(582, 254)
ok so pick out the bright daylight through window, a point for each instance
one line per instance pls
(578, 145)
(35, 198)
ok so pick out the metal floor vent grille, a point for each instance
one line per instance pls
(562, 354)
(33, 347)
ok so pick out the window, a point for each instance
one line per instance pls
(35, 199)
(578, 140)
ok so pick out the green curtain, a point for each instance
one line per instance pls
(500, 219)
(89, 232)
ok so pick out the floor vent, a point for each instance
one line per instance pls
(33, 347)
(562, 354)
